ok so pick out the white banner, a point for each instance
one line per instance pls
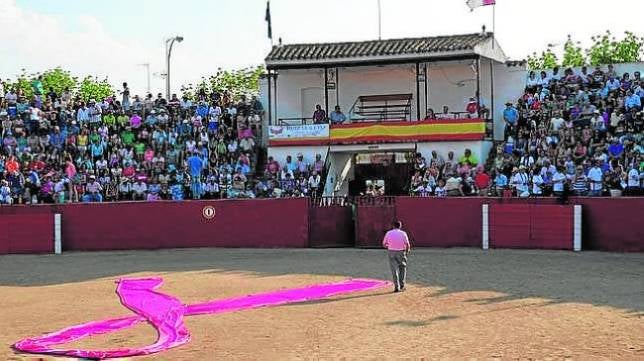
(313, 131)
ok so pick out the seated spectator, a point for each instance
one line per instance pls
(93, 191)
(440, 190)
(445, 114)
(430, 114)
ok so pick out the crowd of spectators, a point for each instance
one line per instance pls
(57, 148)
(576, 133)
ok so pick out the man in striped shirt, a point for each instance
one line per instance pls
(397, 244)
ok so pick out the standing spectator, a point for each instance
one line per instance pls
(319, 116)
(482, 182)
(595, 178)
(511, 118)
(580, 182)
(125, 102)
(195, 164)
(337, 117)
(634, 182)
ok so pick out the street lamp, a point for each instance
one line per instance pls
(168, 52)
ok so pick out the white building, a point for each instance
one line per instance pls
(385, 88)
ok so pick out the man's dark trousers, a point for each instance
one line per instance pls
(398, 264)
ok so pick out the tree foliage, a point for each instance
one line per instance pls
(573, 54)
(604, 49)
(94, 89)
(547, 60)
(60, 80)
(238, 82)
(607, 49)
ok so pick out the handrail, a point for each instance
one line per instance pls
(285, 121)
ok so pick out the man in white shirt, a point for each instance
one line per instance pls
(633, 183)
(556, 122)
(558, 182)
(537, 184)
(547, 167)
(138, 190)
(595, 177)
(520, 181)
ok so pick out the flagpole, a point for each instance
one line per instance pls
(379, 22)
(493, 25)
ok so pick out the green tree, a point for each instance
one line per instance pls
(94, 89)
(547, 60)
(607, 49)
(22, 84)
(573, 54)
(59, 80)
(238, 82)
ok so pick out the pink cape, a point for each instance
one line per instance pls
(165, 313)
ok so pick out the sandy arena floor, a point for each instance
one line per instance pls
(461, 304)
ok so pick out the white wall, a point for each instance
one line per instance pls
(374, 80)
(309, 152)
(509, 83)
(451, 84)
(289, 89)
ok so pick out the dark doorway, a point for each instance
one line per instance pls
(387, 174)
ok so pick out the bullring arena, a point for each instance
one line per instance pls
(462, 303)
(248, 215)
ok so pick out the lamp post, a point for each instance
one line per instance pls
(168, 52)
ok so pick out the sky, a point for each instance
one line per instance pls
(112, 37)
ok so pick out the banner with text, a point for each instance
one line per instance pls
(297, 134)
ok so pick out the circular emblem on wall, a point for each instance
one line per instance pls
(208, 212)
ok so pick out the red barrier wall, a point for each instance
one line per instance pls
(534, 226)
(237, 223)
(609, 224)
(441, 222)
(31, 234)
(615, 225)
(372, 222)
(331, 227)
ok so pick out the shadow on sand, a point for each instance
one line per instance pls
(604, 279)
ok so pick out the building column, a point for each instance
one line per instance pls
(417, 91)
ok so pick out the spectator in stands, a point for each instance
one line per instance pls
(445, 114)
(472, 108)
(319, 116)
(468, 158)
(430, 114)
(93, 191)
(511, 118)
(336, 116)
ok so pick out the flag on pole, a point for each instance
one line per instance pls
(268, 20)
(473, 4)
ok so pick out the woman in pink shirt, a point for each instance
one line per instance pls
(70, 169)
(148, 155)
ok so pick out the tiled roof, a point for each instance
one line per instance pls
(375, 48)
